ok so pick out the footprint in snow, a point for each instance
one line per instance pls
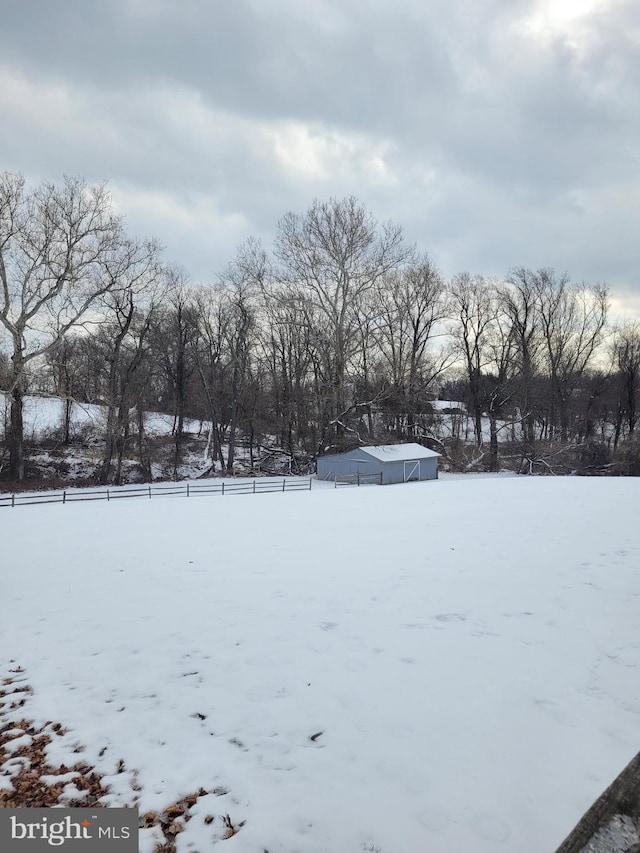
(623, 656)
(556, 713)
(490, 827)
(434, 820)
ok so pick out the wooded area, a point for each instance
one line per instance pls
(341, 334)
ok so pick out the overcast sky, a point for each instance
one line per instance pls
(498, 133)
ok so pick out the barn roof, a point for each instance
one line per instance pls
(398, 452)
(385, 452)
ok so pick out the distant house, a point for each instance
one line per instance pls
(448, 407)
(383, 463)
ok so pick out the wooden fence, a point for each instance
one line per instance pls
(255, 487)
(357, 479)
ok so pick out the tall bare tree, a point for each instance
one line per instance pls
(209, 354)
(130, 312)
(519, 298)
(572, 318)
(242, 284)
(53, 244)
(475, 308)
(626, 360)
(287, 352)
(413, 304)
(501, 367)
(338, 252)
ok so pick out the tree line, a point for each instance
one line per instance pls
(342, 334)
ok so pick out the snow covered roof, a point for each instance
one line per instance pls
(443, 405)
(399, 452)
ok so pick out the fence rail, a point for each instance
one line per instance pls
(255, 487)
(356, 479)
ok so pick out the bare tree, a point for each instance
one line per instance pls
(63, 361)
(519, 298)
(130, 312)
(572, 318)
(242, 283)
(287, 352)
(209, 354)
(337, 251)
(500, 369)
(626, 360)
(413, 303)
(53, 244)
(475, 308)
(182, 325)
(174, 337)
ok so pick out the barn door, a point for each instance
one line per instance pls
(411, 471)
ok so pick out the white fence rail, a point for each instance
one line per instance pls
(255, 487)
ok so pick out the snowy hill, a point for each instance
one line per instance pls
(437, 666)
(44, 415)
(78, 462)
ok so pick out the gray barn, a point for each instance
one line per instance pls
(391, 463)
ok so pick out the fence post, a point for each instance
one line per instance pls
(149, 492)
(223, 487)
(187, 489)
(254, 487)
(357, 478)
(107, 494)
(64, 496)
(283, 484)
(13, 500)
(309, 483)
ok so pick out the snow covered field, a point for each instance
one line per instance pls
(441, 667)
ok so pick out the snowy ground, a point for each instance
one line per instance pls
(440, 666)
(44, 415)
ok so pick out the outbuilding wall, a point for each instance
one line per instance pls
(429, 468)
(394, 472)
(349, 463)
(345, 464)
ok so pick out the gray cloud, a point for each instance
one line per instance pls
(498, 132)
